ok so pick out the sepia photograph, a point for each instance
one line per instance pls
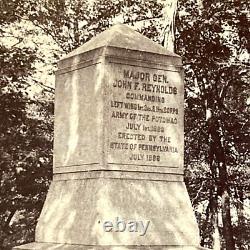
(125, 125)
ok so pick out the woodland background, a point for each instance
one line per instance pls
(213, 39)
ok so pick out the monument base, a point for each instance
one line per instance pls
(51, 246)
(74, 213)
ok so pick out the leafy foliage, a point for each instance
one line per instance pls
(26, 139)
(212, 45)
(72, 23)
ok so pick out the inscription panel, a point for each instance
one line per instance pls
(145, 116)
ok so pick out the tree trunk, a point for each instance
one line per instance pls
(227, 223)
(225, 201)
(214, 220)
(217, 149)
(241, 218)
(216, 235)
(168, 35)
(223, 190)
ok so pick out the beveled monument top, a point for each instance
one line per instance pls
(122, 36)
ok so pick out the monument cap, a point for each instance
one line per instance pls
(122, 36)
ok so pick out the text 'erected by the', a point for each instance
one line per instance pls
(144, 115)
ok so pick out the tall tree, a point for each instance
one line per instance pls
(25, 139)
(210, 40)
(169, 15)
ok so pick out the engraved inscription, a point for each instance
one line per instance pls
(145, 116)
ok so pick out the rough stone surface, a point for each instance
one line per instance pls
(118, 149)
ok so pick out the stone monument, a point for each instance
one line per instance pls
(118, 150)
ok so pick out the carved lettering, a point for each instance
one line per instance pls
(144, 116)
